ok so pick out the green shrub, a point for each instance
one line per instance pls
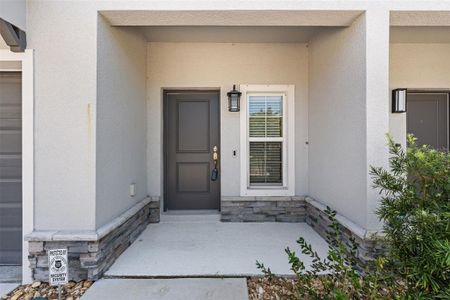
(337, 276)
(415, 210)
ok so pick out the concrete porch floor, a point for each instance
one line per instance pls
(202, 246)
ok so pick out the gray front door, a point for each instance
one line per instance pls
(427, 118)
(10, 168)
(191, 133)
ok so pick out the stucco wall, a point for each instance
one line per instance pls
(349, 116)
(3, 44)
(63, 36)
(220, 65)
(376, 106)
(337, 120)
(121, 120)
(417, 66)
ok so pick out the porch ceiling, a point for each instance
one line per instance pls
(420, 34)
(230, 34)
(231, 17)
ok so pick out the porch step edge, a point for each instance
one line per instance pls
(190, 218)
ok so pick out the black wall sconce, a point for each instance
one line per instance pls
(234, 98)
(399, 97)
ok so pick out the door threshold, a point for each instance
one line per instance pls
(190, 212)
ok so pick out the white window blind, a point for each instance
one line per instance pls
(266, 140)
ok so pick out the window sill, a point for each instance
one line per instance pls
(267, 187)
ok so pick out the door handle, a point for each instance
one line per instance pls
(215, 171)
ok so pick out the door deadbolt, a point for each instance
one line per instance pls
(215, 155)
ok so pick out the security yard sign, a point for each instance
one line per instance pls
(58, 268)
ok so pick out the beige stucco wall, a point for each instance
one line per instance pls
(337, 151)
(348, 116)
(63, 36)
(220, 65)
(121, 120)
(417, 66)
(3, 44)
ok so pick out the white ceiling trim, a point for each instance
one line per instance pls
(231, 17)
(420, 18)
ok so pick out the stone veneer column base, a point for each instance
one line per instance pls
(370, 244)
(263, 209)
(91, 253)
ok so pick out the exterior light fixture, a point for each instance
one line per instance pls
(399, 100)
(234, 97)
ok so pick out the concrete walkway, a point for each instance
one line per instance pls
(169, 289)
(10, 278)
(202, 246)
(5, 288)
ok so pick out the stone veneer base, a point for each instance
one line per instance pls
(91, 253)
(370, 243)
(263, 209)
(300, 209)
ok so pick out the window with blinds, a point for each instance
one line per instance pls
(266, 140)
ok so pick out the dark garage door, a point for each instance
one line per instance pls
(10, 168)
(427, 119)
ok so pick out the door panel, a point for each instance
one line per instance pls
(191, 130)
(427, 118)
(193, 177)
(10, 168)
(193, 126)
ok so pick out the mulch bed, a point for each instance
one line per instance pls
(279, 288)
(260, 288)
(40, 290)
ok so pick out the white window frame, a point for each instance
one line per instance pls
(288, 139)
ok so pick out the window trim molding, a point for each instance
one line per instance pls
(288, 187)
(283, 139)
